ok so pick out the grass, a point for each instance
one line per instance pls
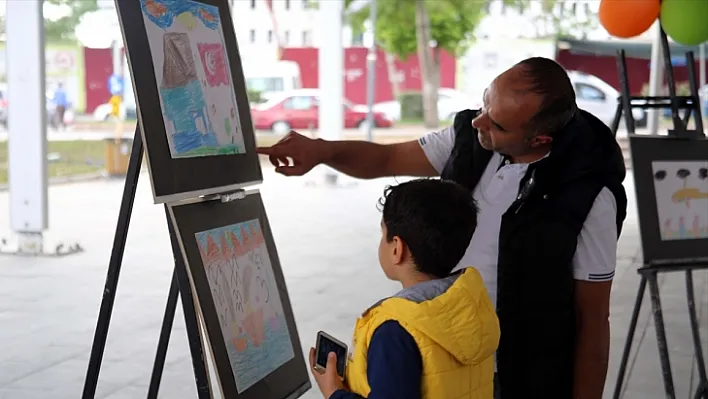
(65, 158)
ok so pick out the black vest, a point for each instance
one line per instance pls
(537, 242)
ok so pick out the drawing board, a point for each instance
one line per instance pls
(671, 182)
(192, 100)
(240, 292)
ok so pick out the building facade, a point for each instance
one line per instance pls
(292, 23)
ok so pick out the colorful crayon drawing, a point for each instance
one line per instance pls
(247, 300)
(193, 74)
(681, 189)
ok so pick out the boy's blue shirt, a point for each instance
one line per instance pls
(393, 367)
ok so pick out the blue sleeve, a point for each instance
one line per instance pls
(394, 365)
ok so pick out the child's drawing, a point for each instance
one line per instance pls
(193, 74)
(681, 189)
(247, 301)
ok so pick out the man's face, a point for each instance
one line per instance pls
(507, 108)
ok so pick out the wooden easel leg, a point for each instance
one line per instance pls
(630, 337)
(661, 334)
(180, 287)
(195, 342)
(164, 340)
(702, 389)
(114, 265)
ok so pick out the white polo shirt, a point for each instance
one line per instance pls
(596, 252)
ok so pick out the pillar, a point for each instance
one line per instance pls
(27, 138)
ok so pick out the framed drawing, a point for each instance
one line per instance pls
(192, 102)
(671, 183)
(240, 292)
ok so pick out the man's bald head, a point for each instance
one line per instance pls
(525, 107)
(548, 80)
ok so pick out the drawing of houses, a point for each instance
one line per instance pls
(182, 97)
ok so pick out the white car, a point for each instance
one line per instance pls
(597, 97)
(592, 94)
(450, 102)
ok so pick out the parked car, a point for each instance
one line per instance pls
(49, 109)
(597, 97)
(450, 102)
(299, 109)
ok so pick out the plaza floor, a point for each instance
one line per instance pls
(327, 239)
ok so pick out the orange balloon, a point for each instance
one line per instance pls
(628, 18)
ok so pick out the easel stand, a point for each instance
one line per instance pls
(180, 285)
(650, 271)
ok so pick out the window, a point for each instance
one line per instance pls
(253, 4)
(306, 38)
(298, 103)
(306, 4)
(287, 4)
(588, 92)
(358, 39)
(286, 37)
(253, 35)
(265, 84)
(270, 36)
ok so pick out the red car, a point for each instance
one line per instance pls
(298, 109)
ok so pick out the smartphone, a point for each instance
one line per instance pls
(326, 344)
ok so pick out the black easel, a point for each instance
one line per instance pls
(180, 285)
(650, 270)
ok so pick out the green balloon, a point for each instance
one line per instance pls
(685, 21)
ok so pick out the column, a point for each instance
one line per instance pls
(331, 74)
(27, 146)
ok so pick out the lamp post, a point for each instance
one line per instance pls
(371, 74)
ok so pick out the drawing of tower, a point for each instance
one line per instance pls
(182, 97)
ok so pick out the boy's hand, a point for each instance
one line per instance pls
(329, 381)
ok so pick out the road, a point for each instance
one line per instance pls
(395, 132)
(71, 135)
(327, 239)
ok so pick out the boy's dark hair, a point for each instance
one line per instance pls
(435, 219)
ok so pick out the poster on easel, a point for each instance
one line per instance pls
(191, 95)
(671, 182)
(240, 292)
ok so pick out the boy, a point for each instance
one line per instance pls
(434, 339)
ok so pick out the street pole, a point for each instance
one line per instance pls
(331, 79)
(371, 74)
(656, 74)
(27, 141)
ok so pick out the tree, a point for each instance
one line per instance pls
(439, 25)
(62, 29)
(559, 18)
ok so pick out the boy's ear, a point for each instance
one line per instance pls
(397, 253)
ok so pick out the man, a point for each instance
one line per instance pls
(548, 181)
(61, 102)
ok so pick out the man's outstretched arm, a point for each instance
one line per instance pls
(296, 155)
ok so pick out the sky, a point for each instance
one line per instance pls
(50, 11)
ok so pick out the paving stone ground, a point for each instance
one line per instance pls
(327, 239)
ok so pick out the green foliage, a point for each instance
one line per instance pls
(254, 96)
(452, 23)
(560, 18)
(62, 29)
(682, 89)
(411, 105)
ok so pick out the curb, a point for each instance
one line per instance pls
(67, 179)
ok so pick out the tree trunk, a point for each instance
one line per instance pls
(428, 70)
(393, 75)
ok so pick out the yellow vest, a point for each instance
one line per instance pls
(456, 330)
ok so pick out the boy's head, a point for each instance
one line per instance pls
(426, 227)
